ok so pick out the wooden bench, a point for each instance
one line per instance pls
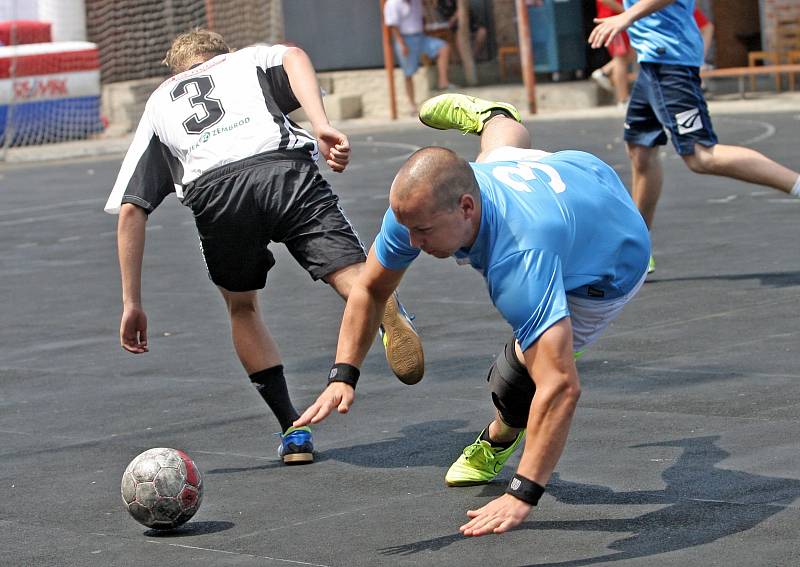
(742, 72)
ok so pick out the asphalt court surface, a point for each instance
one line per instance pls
(685, 449)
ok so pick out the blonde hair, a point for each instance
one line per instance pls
(190, 46)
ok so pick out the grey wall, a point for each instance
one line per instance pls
(337, 34)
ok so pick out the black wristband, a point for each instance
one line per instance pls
(525, 489)
(343, 372)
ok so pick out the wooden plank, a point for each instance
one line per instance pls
(748, 71)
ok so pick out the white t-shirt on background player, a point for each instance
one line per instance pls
(229, 108)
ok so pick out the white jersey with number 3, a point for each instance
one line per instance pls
(229, 108)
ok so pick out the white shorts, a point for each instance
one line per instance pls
(590, 317)
(510, 153)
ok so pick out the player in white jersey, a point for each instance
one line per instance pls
(217, 134)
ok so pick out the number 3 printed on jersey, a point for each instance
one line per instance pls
(209, 110)
(515, 177)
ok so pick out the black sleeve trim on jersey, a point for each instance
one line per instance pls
(152, 179)
(281, 90)
(268, 88)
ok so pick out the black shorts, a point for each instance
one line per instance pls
(241, 207)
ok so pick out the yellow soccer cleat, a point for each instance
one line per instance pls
(480, 462)
(461, 112)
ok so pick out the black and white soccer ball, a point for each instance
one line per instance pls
(162, 488)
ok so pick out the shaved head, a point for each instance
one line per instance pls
(437, 176)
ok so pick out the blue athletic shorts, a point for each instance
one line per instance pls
(668, 97)
(418, 45)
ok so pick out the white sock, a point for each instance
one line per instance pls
(796, 189)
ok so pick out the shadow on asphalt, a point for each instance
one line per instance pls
(435, 443)
(191, 529)
(701, 504)
(775, 279)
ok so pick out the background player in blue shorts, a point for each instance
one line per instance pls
(667, 96)
(562, 249)
(404, 18)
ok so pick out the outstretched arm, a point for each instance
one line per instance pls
(551, 361)
(360, 322)
(608, 28)
(334, 145)
(130, 248)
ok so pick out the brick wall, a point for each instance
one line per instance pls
(773, 11)
(505, 22)
(134, 35)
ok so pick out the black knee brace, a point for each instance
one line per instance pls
(511, 386)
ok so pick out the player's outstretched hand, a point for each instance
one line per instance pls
(337, 395)
(133, 330)
(498, 516)
(335, 147)
(607, 29)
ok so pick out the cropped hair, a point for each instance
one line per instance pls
(192, 45)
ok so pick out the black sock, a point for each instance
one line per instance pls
(271, 384)
(499, 112)
(497, 444)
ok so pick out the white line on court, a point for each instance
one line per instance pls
(399, 145)
(727, 199)
(769, 129)
(707, 372)
(410, 148)
(52, 206)
(673, 323)
(28, 220)
(211, 549)
(383, 504)
(228, 454)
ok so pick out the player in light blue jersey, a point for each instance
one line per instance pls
(562, 249)
(667, 96)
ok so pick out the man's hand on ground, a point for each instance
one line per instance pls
(498, 516)
(337, 395)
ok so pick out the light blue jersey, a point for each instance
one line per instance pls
(669, 35)
(563, 224)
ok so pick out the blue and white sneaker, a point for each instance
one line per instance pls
(401, 342)
(297, 447)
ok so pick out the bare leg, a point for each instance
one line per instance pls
(252, 340)
(409, 82)
(442, 62)
(342, 280)
(479, 41)
(743, 164)
(648, 177)
(501, 131)
(500, 432)
(619, 76)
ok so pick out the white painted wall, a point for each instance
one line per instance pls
(19, 10)
(67, 17)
